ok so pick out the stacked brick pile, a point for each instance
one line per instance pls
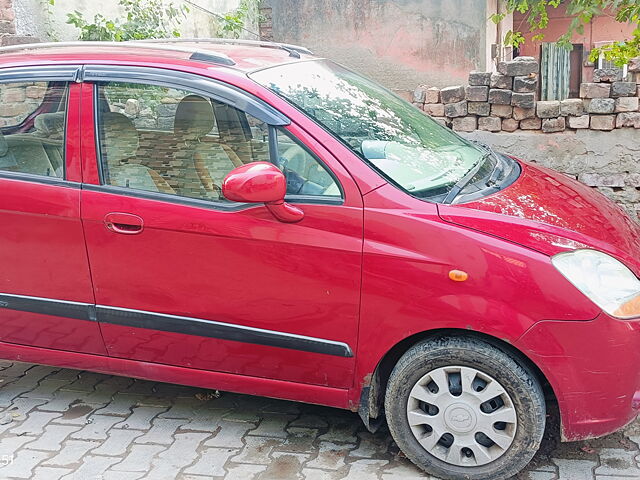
(506, 101)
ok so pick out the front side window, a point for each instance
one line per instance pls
(171, 141)
(409, 148)
(32, 127)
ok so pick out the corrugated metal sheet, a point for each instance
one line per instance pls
(555, 71)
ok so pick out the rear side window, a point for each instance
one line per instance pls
(32, 127)
(172, 141)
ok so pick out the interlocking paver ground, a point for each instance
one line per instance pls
(61, 423)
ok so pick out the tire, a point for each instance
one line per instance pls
(514, 419)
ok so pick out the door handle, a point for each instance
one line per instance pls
(124, 223)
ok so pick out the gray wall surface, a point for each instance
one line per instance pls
(608, 161)
(400, 43)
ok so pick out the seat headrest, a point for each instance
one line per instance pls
(121, 139)
(194, 118)
(50, 125)
(4, 146)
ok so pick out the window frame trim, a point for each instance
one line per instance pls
(96, 77)
(68, 74)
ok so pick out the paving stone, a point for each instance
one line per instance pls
(575, 469)
(628, 119)
(182, 408)
(97, 428)
(240, 415)
(519, 66)
(92, 467)
(118, 442)
(111, 475)
(548, 109)
(10, 445)
(404, 470)
(273, 426)
(480, 78)
(139, 458)
(490, 124)
(534, 124)
(300, 440)
(452, 94)
(162, 431)
(458, 109)
(284, 465)
(500, 96)
(61, 401)
(23, 464)
(627, 104)
(434, 109)
(370, 445)
(432, 95)
(330, 456)
(46, 388)
(501, 81)
(465, 124)
(52, 437)
(477, 93)
(523, 113)
(34, 424)
(607, 75)
(601, 105)
(525, 84)
(140, 419)
(550, 125)
(523, 100)
(49, 473)
(572, 106)
(211, 462)
(482, 109)
(623, 89)
(208, 420)
(122, 404)
(617, 461)
(540, 476)
(419, 94)
(229, 434)
(72, 452)
(582, 121)
(595, 90)
(510, 125)
(257, 450)
(244, 472)
(603, 122)
(502, 111)
(182, 453)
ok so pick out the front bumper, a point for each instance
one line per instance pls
(594, 370)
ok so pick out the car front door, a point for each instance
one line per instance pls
(46, 297)
(185, 277)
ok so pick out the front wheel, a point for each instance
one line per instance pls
(461, 408)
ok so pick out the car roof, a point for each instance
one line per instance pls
(244, 55)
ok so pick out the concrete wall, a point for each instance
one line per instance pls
(38, 19)
(608, 161)
(400, 43)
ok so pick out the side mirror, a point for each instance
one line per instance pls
(261, 182)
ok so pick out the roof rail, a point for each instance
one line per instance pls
(208, 56)
(231, 41)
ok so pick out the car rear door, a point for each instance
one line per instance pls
(184, 277)
(46, 296)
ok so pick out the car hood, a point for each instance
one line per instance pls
(550, 212)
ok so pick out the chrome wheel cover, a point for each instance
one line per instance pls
(462, 416)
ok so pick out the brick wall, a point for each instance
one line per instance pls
(594, 138)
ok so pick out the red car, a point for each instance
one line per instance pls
(251, 218)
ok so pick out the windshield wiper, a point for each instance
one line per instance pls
(464, 181)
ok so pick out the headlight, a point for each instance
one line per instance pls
(603, 279)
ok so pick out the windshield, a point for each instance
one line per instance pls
(405, 145)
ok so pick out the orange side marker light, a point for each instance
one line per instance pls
(458, 275)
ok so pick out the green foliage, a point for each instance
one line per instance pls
(233, 22)
(143, 19)
(582, 11)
